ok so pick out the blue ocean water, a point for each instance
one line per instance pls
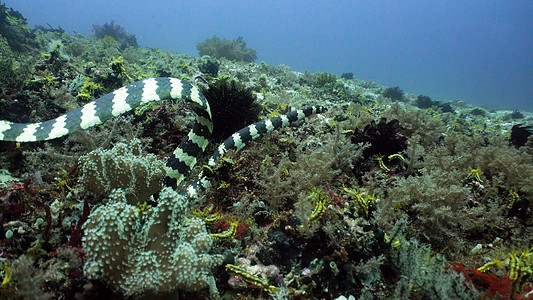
(478, 51)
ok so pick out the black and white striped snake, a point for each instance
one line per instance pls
(127, 98)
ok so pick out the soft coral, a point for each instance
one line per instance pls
(495, 286)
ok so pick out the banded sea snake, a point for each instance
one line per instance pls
(127, 98)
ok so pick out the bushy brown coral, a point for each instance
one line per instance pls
(116, 32)
(231, 49)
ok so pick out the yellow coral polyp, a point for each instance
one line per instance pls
(521, 268)
(364, 200)
(490, 265)
(223, 185)
(396, 156)
(514, 198)
(206, 214)
(88, 90)
(396, 244)
(117, 65)
(63, 185)
(62, 178)
(49, 79)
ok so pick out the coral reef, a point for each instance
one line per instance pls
(388, 195)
